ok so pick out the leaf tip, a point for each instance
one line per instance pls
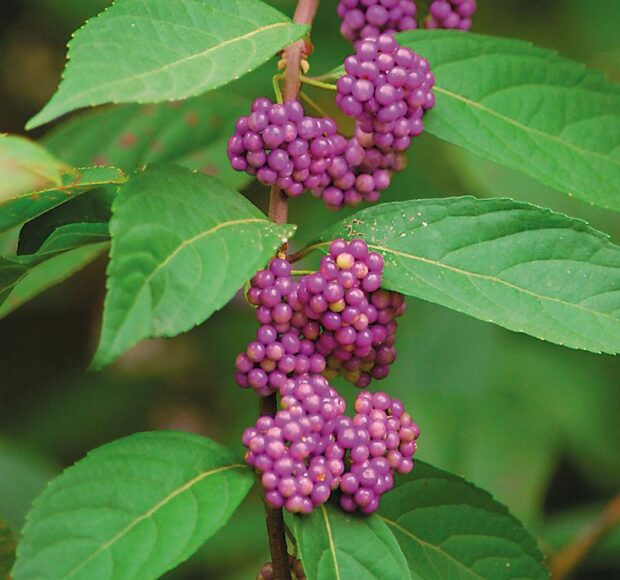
(37, 121)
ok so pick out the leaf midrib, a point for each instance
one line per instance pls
(149, 513)
(485, 277)
(433, 547)
(525, 128)
(179, 62)
(332, 543)
(184, 244)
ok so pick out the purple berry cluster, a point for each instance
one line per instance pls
(281, 145)
(295, 452)
(387, 89)
(337, 317)
(335, 321)
(370, 18)
(285, 342)
(380, 440)
(357, 317)
(359, 172)
(311, 449)
(451, 14)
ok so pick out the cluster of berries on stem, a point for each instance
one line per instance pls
(387, 88)
(335, 321)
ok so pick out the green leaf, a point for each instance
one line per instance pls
(522, 267)
(182, 245)
(447, 528)
(158, 51)
(7, 550)
(20, 208)
(334, 545)
(25, 166)
(134, 508)
(94, 206)
(527, 108)
(137, 135)
(66, 251)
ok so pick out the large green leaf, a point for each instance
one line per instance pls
(520, 266)
(7, 550)
(156, 51)
(135, 135)
(182, 245)
(134, 508)
(334, 545)
(17, 209)
(66, 251)
(25, 166)
(527, 108)
(447, 528)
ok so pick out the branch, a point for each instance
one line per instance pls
(565, 561)
(278, 212)
(293, 55)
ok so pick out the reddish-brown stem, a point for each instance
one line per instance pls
(278, 212)
(566, 560)
(294, 53)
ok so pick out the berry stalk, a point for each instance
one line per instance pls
(278, 212)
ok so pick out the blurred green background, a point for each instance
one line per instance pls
(535, 424)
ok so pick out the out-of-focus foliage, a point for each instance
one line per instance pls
(531, 422)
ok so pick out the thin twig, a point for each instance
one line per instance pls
(305, 251)
(278, 212)
(316, 83)
(567, 559)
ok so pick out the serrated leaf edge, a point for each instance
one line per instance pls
(122, 178)
(98, 364)
(150, 512)
(36, 121)
(525, 128)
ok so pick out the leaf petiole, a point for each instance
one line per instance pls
(316, 83)
(276, 87)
